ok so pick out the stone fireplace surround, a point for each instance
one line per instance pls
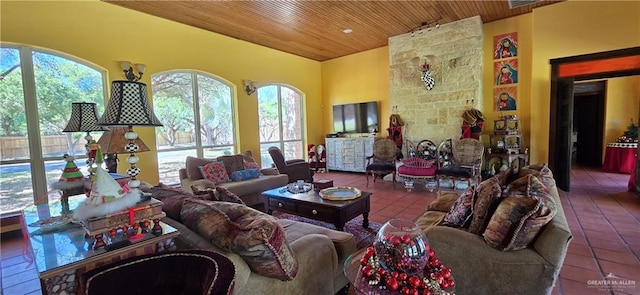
(454, 53)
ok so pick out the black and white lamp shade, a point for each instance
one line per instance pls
(84, 116)
(128, 106)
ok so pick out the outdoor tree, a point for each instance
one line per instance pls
(58, 83)
(268, 111)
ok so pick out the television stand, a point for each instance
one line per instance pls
(348, 153)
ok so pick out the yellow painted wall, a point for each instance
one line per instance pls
(568, 29)
(104, 34)
(623, 104)
(548, 32)
(359, 77)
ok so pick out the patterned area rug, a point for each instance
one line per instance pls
(364, 236)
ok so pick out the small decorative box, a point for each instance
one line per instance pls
(147, 210)
(322, 184)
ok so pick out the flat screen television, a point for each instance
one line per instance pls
(355, 117)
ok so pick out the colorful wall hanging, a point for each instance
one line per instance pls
(505, 99)
(506, 45)
(506, 72)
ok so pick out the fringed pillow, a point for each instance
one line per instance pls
(255, 236)
(215, 172)
(488, 195)
(460, 213)
(520, 216)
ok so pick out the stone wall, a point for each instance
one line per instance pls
(454, 53)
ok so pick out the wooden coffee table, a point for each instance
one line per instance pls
(311, 205)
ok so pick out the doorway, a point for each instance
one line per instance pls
(564, 72)
(589, 101)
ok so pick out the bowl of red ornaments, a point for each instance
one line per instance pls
(400, 261)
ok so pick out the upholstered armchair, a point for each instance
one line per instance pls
(296, 169)
(383, 160)
(460, 159)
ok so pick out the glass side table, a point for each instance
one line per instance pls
(64, 253)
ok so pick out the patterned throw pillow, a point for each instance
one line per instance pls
(232, 163)
(460, 213)
(488, 195)
(245, 174)
(519, 218)
(172, 200)
(255, 236)
(226, 195)
(216, 172)
(193, 165)
(251, 165)
(542, 172)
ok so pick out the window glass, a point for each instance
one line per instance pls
(197, 113)
(281, 122)
(216, 116)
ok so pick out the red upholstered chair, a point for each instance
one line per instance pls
(296, 169)
(420, 165)
(180, 272)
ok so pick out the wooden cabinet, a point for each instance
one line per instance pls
(348, 154)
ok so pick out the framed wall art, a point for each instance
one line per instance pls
(506, 72)
(506, 45)
(505, 99)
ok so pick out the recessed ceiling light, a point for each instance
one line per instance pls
(347, 31)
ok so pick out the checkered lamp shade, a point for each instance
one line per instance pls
(84, 117)
(128, 106)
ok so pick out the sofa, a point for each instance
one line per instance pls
(248, 190)
(479, 267)
(320, 252)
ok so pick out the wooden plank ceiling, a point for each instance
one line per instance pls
(314, 29)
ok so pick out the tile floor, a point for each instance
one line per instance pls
(603, 217)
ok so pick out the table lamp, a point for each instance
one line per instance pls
(113, 143)
(84, 118)
(129, 106)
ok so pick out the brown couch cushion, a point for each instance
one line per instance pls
(430, 219)
(443, 202)
(344, 242)
(255, 236)
(193, 164)
(488, 196)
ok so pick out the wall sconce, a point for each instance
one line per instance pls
(127, 68)
(249, 86)
(428, 25)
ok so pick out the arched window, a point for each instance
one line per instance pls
(281, 122)
(196, 110)
(37, 88)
